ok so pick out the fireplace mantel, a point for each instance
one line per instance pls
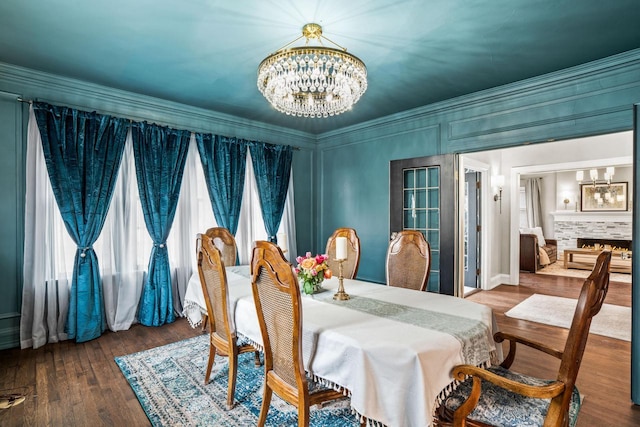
(608, 216)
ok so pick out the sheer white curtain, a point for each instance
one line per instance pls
(121, 247)
(193, 215)
(47, 269)
(251, 226)
(124, 245)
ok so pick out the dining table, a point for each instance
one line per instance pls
(390, 349)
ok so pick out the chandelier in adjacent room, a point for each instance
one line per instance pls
(312, 81)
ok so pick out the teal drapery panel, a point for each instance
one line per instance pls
(160, 154)
(224, 162)
(82, 152)
(272, 166)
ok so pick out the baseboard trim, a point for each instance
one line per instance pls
(9, 338)
(500, 279)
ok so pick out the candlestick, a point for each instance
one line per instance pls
(341, 295)
(341, 248)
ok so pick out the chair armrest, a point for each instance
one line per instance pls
(547, 391)
(514, 339)
(461, 372)
(551, 242)
(529, 255)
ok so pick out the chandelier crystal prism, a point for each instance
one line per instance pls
(312, 81)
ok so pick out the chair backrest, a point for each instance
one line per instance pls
(408, 260)
(276, 294)
(213, 278)
(350, 266)
(226, 244)
(594, 290)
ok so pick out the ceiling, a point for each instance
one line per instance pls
(206, 53)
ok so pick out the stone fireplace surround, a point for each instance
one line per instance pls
(569, 226)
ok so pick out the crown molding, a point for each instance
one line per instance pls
(41, 86)
(498, 94)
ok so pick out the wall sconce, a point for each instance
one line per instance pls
(611, 171)
(593, 174)
(497, 181)
(580, 176)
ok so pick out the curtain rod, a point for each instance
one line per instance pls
(26, 101)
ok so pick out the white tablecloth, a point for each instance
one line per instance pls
(392, 349)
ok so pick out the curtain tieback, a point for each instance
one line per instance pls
(83, 254)
(160, 245)
(272, 238)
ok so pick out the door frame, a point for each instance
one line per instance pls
(486, 198)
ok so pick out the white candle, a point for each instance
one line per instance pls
(341, 248)
(282, 241)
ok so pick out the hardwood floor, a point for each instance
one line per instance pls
(79, 384)
(604, 377)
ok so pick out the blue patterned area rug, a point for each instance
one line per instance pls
(169, 383)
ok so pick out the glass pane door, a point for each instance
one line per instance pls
(421, 208)
(423, 197)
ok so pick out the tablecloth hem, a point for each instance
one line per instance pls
(189, 307)
(326, 383)
(451, 387)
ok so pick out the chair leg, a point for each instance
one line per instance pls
(205, 320)
(266, 402)
(212, 356)
(233, 372)
(303, 414)
(256, 357)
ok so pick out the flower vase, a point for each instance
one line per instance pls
(310, 287)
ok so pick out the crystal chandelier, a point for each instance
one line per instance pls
(312, 81)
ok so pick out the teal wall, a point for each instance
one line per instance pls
(341, 177)
(354, 187)
(11, 217)
(353, 163)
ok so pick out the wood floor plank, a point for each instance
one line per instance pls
(75, 384)
(604, 376)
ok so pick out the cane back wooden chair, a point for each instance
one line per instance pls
(226, 244)
(277, 297)
(408, 260)
(498, 396)
(222, 334)
(350, 266)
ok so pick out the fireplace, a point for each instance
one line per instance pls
(615, 243)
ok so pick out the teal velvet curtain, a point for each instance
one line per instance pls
(160, 154)
(82, 152)
(224, 161)
(272, 166)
